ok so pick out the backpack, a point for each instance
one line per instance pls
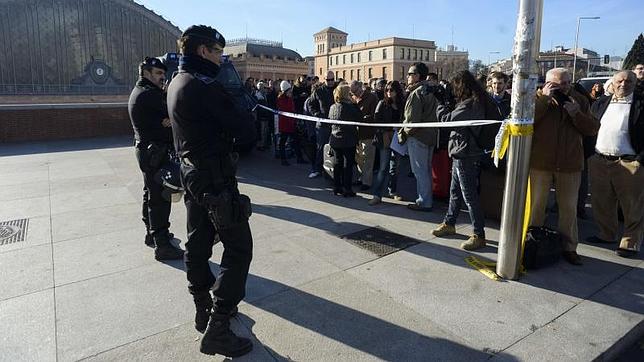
(543, 246)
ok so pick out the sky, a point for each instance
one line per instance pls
(482, 27)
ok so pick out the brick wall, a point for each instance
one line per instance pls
(44, 124)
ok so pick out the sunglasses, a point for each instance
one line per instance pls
(330, 80)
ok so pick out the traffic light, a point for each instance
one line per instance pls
(606, 59)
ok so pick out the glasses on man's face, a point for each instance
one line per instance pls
(330, 80)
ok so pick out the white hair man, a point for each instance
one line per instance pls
(562, 119)
(615, 170)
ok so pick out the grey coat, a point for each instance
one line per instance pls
(462, 142)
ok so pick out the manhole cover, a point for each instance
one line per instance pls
(13, 231)
(380, 241)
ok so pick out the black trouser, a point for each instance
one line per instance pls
(295, 142)
(345, 159)
(230, 284)
(155, 209)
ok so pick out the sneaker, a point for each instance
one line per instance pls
(219, 339)
(417, 207)
(444, 230)
(375, 201)
(473, 243)
(314, 174)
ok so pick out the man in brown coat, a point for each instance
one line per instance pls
(562, 119)
(365, 151)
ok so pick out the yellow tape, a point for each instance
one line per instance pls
(483, 267)
(520, 129)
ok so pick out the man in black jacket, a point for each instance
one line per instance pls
(204, 122)
(320, 103)
(153, 135)
(616, 174)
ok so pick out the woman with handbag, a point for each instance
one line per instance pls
(388, 110)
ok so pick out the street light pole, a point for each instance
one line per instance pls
(574, 61)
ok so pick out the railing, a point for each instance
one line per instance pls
(62, 89)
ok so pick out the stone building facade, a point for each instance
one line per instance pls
(387, 58)
(263, 59)
(77, 46)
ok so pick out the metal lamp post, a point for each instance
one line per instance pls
(574, 61)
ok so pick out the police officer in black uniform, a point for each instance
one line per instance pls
(204, 122)
(153, 135)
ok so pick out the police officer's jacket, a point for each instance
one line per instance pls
(203, 114)
(147, 109)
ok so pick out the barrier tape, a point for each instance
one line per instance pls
(513, 127)
(471, 123)
(484, 267)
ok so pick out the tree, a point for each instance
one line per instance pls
(477, 67)
(635, 55)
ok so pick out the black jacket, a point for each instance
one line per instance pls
(635, 120)
(344, 136)
(462, 140)
(321, 101)
(504, 104)
(204, 116)
(147, 109)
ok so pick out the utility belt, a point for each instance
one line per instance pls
(226, 207)
(628, 158)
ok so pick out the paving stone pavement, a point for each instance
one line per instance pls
(82, 285)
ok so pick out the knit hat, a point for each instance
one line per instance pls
(261, 85)
(284, 86)
(206, 33)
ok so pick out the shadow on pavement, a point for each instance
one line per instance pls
(31, 148)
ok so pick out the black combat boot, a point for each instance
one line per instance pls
(165, 250)
(203, 307)
(149, 240)
(219, 339)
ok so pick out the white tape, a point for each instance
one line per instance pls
(472, 123)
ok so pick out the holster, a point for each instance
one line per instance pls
(227, 209)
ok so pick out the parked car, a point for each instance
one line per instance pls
(232, 82)
(587, 83)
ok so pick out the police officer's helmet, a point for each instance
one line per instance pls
(168, 177)
(206, 33)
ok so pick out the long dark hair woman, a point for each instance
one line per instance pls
(343, 140)
(472, 102)
(388, 110)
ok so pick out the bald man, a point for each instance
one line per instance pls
(616, 172)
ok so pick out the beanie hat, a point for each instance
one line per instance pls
(285, 85)
(261, 85)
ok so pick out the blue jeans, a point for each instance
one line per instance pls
(382, 175)
(464, 187)
(394, 160)
(420, 157)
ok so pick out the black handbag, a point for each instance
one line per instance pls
(543, 246)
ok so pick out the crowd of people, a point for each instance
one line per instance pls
(570, 138)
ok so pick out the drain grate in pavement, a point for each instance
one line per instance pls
(380, 241)
(13, 231)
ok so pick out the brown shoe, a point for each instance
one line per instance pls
(473, 243)
(572, 257)
(444, 230)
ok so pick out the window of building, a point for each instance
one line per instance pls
(358, 75)
(331, 61)
(370, 52)
(344, 74)
(402, 53)
(351, 74)
(322, 48)
(336, 60)
(384, 53)
(384, 72)
(370, 75)
(344, 59)
(351, 58)
(358, 57)
(402, 72)
(408, 54)
(320, 71)
(427, 55)
(416, 54)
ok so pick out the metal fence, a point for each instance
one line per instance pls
(62, 89)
